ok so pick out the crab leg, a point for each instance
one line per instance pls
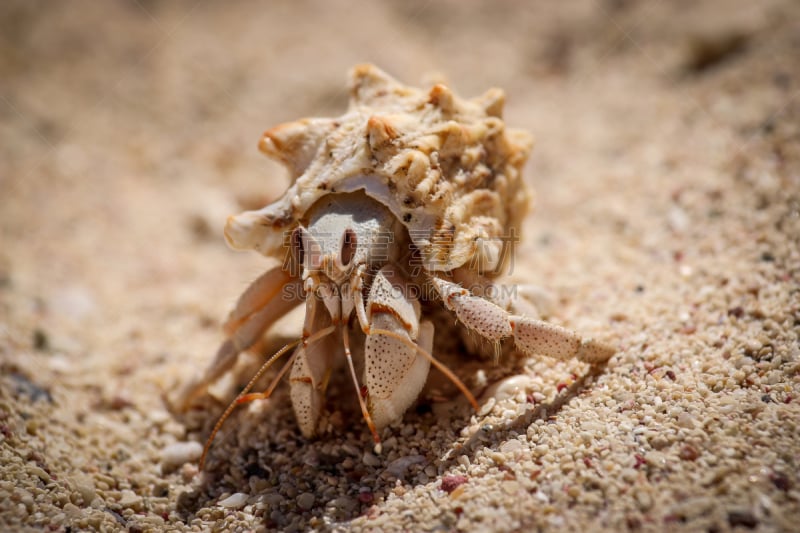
(532, 337)
(267, 299)
(275, 282)
(236, 401)
(246, 396)
(393, 371)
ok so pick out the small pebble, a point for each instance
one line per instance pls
(688, 453)
(306, 501)
(399, 466)
(511, 487)
(643, 499)
(343, 503)
(350, 449)
(25, 498)
(509, 387)
(38, 472)
(365, 495)
(370, 459)
(742, 518)
(511, 446)
(84, 485)
(179, 453)
(659, 442)
(685, 420)
(72, 511)
(128, 498)
(781, 481)
(487, 407)
(236, 500)
(189, 471)
(451, 483)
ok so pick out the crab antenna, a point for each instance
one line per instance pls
(238, 399)
(231, 406)
(442, 368)
(253, 396)
(370, 424)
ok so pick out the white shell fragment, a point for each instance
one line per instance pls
(180, 453)
(448, 168)
(508, 387)
(236, 500)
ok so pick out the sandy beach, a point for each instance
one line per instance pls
(666, 221)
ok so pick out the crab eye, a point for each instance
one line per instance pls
(349, 245)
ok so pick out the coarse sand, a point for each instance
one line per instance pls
(667, 220)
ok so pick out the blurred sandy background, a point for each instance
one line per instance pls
(667, 220)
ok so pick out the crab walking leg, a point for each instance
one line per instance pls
(542, 338)
(394, 372)
(532, 337)
(246, 396)
(276, 282)
(267, 299)
(236, 401)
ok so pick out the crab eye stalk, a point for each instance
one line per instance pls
(348, 247)
(296, 244)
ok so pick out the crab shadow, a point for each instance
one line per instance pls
(492, 436)
(294, 483)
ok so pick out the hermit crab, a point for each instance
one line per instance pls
(407, 200)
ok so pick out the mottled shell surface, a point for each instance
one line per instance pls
(447, 167)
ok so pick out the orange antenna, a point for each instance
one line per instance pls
(253, 396)
(244, 397)
(442, 368)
